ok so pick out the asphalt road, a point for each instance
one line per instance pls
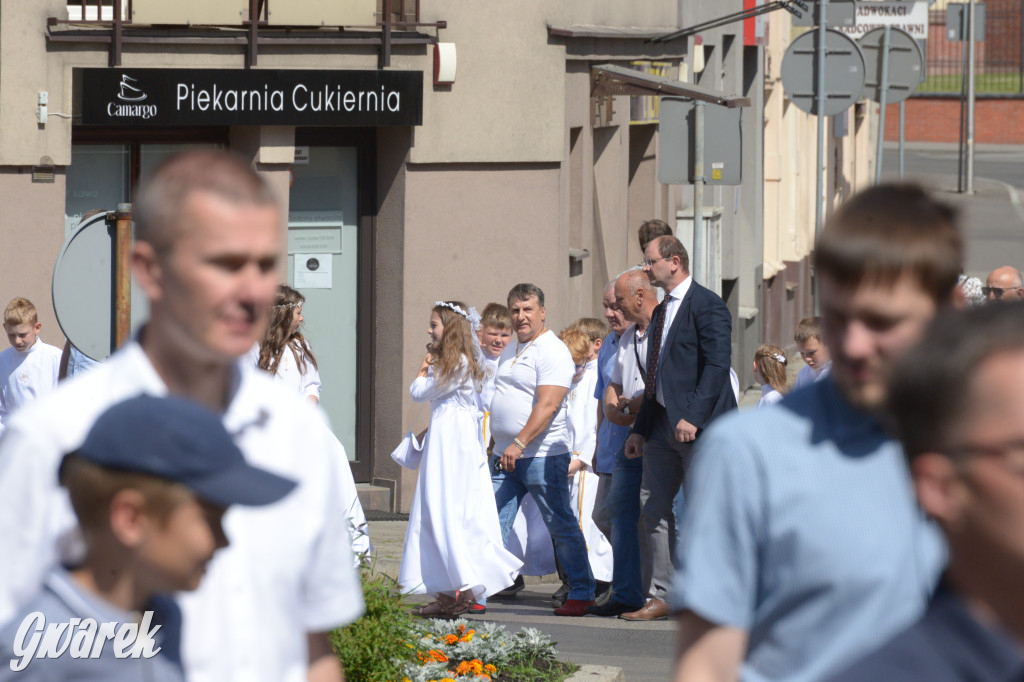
(993, 217)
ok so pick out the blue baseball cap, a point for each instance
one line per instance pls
(181, 441)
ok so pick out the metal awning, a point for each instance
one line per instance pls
(609, 79)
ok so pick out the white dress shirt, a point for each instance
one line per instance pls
(675, 299)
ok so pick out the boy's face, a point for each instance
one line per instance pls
(494, 340)
(814, 353)
(868, 327)
(22, 336)
(175, 551)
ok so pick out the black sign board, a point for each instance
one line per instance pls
(211, 97)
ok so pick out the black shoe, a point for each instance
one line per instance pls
(603, 593)
(511, 591)
(558, 598)
(611, 608)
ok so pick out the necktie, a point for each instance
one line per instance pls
(651, 385)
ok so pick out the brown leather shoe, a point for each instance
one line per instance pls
(655, 609)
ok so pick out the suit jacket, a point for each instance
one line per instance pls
(695, 362)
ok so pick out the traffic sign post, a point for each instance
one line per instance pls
(894, 66)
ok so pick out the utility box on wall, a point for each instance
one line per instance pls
(711, 259)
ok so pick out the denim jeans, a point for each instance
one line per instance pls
(623, 508)
(547, 479)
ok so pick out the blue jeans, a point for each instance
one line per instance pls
(623, 505)
(547, 479)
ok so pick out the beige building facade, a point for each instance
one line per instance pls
(517, 170)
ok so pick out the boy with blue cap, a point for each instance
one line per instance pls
(149, 486)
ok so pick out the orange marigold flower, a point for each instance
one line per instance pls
(462, 668)
(438, 656)
(451, 639)
(490, 668)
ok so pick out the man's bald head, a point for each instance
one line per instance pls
(159, 210)
(1004, 284)
(636, 280)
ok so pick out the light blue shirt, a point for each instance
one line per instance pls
(59, 601)
(610, 437)
(801, 528)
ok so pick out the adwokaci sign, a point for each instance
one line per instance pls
(210, 97)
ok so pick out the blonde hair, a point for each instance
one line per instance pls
(767, 357)
(578, 344)
(277, 337)
(807, 329)
(20, 311)
(593, 327)
(458, 342)
(496, 316)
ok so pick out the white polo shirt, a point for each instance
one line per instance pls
(631, 361)
(288, 569)
(543, 362)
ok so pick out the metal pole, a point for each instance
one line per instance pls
(883, 87)
(903, 115)
(963, 116)
(970, 98)
(820, 63)
(122, 274)
(819, 178)
(699, 250)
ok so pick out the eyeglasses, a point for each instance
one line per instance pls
(1010, 455)
(648, 262)
(998, 291)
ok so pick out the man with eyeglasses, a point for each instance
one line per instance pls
(965, 444)
(1004, 284)
(686, 387)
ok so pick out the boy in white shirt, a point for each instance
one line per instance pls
(29, 368)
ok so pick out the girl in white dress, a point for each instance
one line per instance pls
(284, 352)
(770, 371)
(453, 546)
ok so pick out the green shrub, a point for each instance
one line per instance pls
(376, 647)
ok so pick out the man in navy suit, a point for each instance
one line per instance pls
(687, 385)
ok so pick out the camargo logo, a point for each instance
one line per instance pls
(130, 96)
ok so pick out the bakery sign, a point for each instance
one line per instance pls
(212, 97)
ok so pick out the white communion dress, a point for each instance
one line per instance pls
(453, 542)
(306, 383)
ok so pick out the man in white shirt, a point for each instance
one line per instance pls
(530, 442)
(207, 255)
(636, 300)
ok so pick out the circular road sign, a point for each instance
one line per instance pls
(844, 72)
(83, 287)
(905, 68)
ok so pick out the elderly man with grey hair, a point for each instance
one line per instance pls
(530, 441)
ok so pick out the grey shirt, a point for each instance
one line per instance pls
(70, 642)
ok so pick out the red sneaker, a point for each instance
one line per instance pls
(574, 607)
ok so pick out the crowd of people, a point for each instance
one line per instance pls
(863, 524)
